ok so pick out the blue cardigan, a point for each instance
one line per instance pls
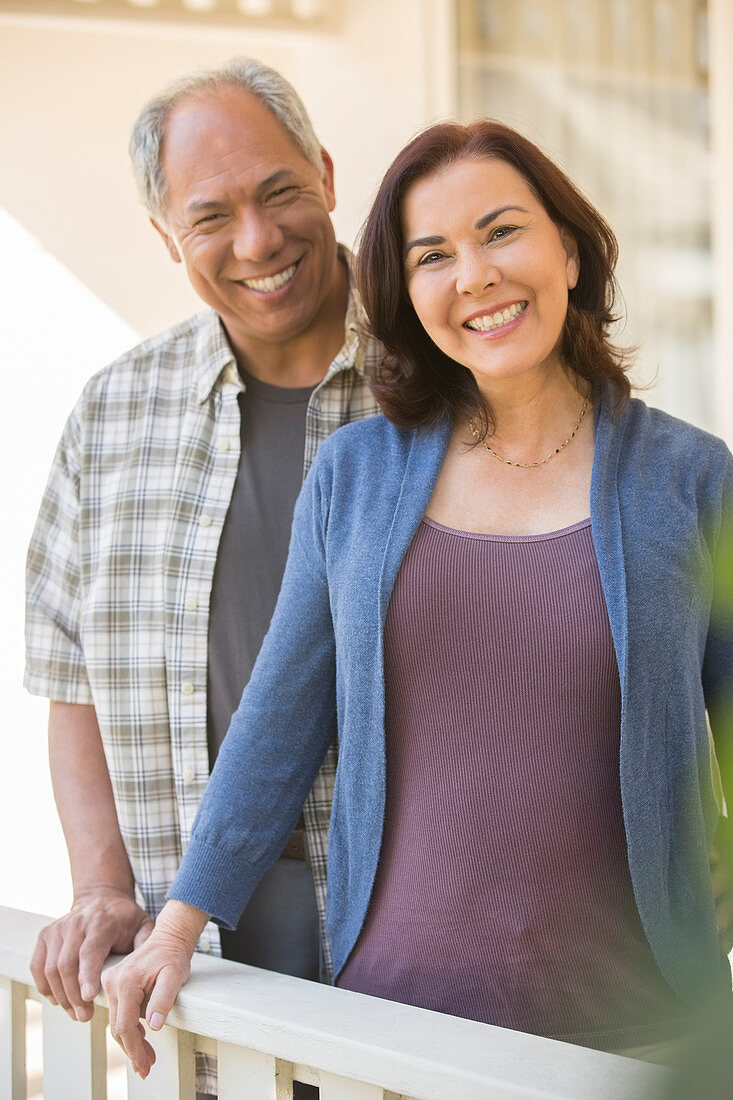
(660, 494)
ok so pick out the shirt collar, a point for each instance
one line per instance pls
(356, 325)
(213, 358)
(216, 364)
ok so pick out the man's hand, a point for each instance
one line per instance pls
(152, 975)
(67, 962)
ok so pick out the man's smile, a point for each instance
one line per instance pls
(271, 282)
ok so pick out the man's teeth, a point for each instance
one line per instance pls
(491, 321)
(272, 282)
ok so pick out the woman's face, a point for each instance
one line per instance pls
(487, 271)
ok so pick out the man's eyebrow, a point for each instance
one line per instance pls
(273, 180)
(204, 206)
(489, 218)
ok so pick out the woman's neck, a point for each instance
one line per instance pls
(533, 413)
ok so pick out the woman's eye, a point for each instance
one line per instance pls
(430, 258)
(501, 231)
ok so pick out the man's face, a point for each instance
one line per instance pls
(248, 214)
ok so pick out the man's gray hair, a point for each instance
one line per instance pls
(277, 94)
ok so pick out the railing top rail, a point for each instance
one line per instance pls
(387, 1044)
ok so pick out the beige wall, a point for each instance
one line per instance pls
(71, 88)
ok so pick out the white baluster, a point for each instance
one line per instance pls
(74, 1056)
(342, 1088)
(12, 1040)
(174, 1074)
(248, 1073)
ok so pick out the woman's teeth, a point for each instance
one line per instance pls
(272, 282)
(491, 321)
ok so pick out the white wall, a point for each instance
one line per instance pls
(70, 90)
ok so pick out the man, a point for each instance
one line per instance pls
(161, 540)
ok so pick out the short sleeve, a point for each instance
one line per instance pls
(55, 665)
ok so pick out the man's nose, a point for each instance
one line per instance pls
(475, 272)
(257, 236)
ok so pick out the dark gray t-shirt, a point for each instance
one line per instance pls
(254, 542)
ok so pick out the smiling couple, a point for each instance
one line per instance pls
(502, 599)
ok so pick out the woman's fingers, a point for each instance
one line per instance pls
(152, 976)
(163, 996)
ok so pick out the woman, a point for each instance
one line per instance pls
(503, 599)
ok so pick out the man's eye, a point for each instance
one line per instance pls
(282, 193)
(208, 219)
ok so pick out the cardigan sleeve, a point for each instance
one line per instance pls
(718, 662)
(278, 736)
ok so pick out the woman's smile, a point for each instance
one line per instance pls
(498, 320)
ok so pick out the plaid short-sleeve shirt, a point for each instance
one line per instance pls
(121, 564)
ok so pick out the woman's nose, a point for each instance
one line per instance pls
(475, 273)
(257, 236)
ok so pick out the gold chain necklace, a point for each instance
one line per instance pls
(542, 461)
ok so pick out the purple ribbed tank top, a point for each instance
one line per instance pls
(503, 891)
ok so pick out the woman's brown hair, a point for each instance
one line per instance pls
(419, 384)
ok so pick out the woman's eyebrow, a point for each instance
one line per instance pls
(422, 242)
(489, 218)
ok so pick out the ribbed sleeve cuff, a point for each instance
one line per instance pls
(217, 881)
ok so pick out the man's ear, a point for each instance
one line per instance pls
(170, 244)
(327, 179)
(572, 263)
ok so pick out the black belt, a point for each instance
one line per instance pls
(295, 847)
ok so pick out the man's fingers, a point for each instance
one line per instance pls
(38, 966)
(92, 953)
(68, 968)
(54, 943)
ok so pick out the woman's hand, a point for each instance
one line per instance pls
(152, 976)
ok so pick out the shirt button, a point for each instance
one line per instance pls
(205, 947)
(188, 775)
(187, 687)
(191, 603)
(205, 520)
(223, 444)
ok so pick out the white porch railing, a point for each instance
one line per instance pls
(267, 1029)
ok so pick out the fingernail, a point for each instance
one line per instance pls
(87, 992)
(156, 1021)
